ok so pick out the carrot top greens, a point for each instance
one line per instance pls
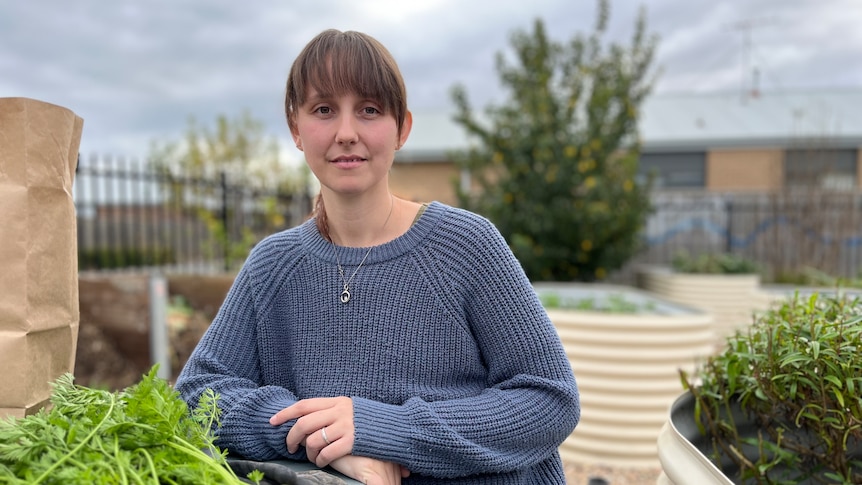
(143, 434)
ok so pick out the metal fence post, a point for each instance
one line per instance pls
(224, 220)
(728, 238)
(159, 342)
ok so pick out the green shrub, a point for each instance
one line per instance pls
(814, 277)
(797, 373)
(712, 263)
(555, 165)
(113, 258)
(614, 303)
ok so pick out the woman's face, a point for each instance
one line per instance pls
(348, 141)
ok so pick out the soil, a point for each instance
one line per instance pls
(99, 363)
(581, 474)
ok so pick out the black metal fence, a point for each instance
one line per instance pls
(785, 232)
(132, 215)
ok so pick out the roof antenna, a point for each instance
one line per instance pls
(754, 92)
(746, 26)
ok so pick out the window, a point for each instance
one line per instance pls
(823, 168)
(675, 169)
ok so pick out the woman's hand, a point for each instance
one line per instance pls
(322, 446)
(370, 471)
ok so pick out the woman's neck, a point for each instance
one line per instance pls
(356, 223)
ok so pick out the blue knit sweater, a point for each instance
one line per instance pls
(454, 368)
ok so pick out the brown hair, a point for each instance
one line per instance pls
(335, 63)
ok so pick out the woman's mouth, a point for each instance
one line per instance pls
(348, 161)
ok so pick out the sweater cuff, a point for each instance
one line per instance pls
(275, 436)
(252, 436)
(382, 431)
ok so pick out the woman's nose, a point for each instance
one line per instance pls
(347, 134)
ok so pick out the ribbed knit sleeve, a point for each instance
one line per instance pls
(226, 360)
(531, 401)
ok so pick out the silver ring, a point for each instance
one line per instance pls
(323, 433)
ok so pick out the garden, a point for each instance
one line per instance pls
(752, 369)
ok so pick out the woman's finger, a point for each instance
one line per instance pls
(323, 452)
(314, 414)
(299, 409)
(304, 429)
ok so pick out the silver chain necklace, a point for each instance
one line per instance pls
(345, 292)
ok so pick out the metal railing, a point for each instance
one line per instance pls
(132, 215)
(783, 232)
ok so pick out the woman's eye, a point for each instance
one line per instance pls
(370, 110)
(324, 110)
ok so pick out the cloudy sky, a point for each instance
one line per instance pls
(136, 71)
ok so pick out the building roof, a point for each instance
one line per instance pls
(775, 119)
(698, 121)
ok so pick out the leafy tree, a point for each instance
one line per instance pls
(237, 146)
(556, 167)
(235, 154)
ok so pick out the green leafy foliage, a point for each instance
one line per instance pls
(712, 263)
(612, 303)
(233, 155)
(238, 145)
(111, 258)
(556, 169)
(141, 435)
(808, 276)
(797, 373)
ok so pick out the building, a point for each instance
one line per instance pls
(717, 142)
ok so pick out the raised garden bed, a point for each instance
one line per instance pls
(626, 347)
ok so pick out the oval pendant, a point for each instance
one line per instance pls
(345, 296)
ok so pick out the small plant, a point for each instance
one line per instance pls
(814, 277)
(796, 373)
(179, 313)
(613, 303)
(711, 263)
(550, 300)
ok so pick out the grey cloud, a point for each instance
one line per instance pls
(137, 71)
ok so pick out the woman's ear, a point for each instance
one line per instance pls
(296, 139)
(406, 126)
(295, 135)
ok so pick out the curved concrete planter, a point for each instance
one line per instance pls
(731, 299)
(627, 369)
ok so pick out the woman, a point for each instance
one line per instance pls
(388, 339)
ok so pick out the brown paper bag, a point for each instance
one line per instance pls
(38, 251)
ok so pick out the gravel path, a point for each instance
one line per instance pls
(580, 474)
